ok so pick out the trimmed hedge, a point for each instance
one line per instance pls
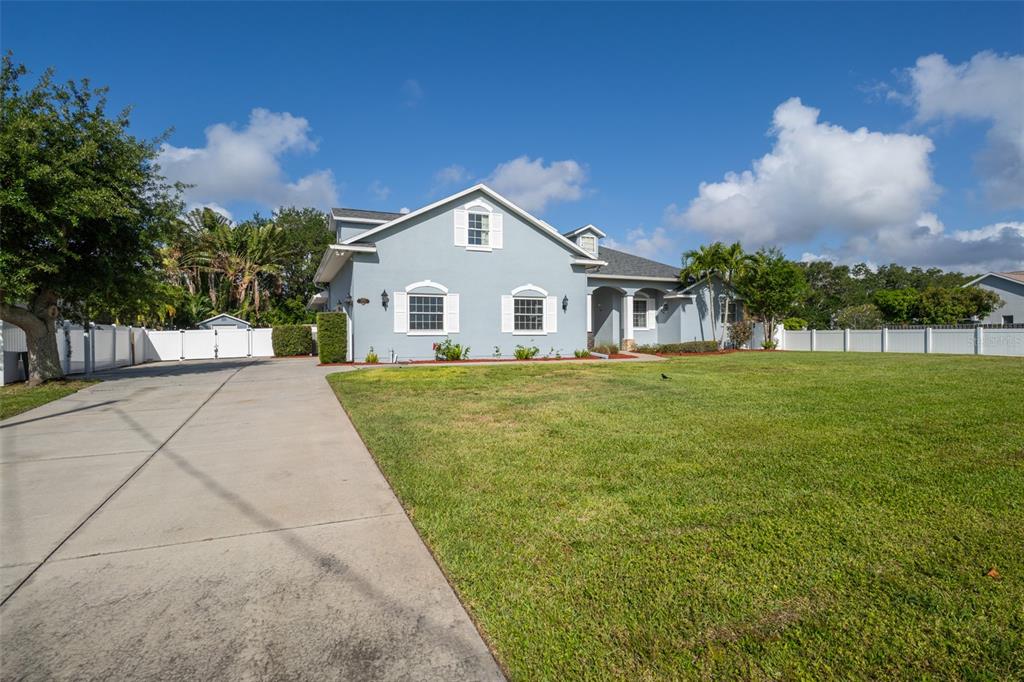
(685, 347)
(332, 336)
(292, 339)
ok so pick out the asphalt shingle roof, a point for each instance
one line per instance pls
(361, 213)
(622, 263)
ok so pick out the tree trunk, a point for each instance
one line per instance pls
(39, 323)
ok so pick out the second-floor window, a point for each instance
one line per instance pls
(479, 229)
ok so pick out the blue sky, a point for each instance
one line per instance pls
(604, 113)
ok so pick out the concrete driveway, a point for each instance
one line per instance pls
(214, 520)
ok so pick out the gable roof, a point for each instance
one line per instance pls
(622, 264)
(1016, 276)
(591, 228)
(219, 315)
(361, 214)
(522, 213)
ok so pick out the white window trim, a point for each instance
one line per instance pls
(426, 283)
(446, 319)
(549, 309)
(495, 226)
(647, 314)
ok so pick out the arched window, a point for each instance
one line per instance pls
(479, 226)
(529, 311)
(426, 308)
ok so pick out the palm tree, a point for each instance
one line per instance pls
(704, 263)
(733, 263)
(261, 248)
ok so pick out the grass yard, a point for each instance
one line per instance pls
(756, 515)
(17, 398)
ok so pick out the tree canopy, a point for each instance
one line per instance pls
(84, 210)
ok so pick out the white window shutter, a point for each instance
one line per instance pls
(590, 314)
(551, 314)
(497, 237)
(451, 313)
(461, 227)
(507, 315)
(652, 322)
(401, 312)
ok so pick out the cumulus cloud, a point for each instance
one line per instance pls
(243, 165)
(533, 185)
(817, 176)
(987, 88)
(927, 242)
(656, 244)
(412, 92)
(450, 176)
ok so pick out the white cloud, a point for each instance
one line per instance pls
(656, 245)
(213, 207)
(986, 88)
(412, 92)
(448, 177)
(533, 185)
(243, 165)
(926, 243)
(379, 190)
(817, 176)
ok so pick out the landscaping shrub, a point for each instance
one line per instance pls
(581, 353)
(794, 324)
(371, 357)
(526, 353)
(332, 336)
(685, 347)
(446, 350)
(292, 339)
(740, 333)
(606, 349)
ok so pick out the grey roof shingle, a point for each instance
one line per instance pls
(361, 213)
(622, 263)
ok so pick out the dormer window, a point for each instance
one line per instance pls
(588, 243)
(479, 229)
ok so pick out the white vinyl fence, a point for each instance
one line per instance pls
(977, 340)
(108, 346)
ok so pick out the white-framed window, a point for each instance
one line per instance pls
(730, 311)
(640, 313)
(588, 243)
(425, 309)
(528, 314)
(479, 229)
(529, 311)
(426, 313)
(478, 226)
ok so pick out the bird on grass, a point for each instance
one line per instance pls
(664, 376)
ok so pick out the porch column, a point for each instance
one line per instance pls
(590, 313)
(627, 324)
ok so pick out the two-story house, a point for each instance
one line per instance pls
(478, 269)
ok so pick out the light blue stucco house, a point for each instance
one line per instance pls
(1010, 287)
(477, 269)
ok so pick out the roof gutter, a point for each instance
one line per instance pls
(335, 257)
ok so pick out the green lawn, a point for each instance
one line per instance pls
(756, 515)
(17, 398)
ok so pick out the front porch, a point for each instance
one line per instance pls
(631, 314)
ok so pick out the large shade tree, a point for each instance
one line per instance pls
(84, 209)
(772, 287)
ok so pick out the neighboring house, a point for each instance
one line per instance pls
(1010, 287)
(223, 321)
(478, 269)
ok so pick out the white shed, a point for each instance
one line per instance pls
(224, 321)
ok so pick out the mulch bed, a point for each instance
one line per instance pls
(464, 362)
(713, 352)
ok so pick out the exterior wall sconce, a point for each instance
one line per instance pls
(384, 298)
(565, 303)
(665, 306)
(348, 300)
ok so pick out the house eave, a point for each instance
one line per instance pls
(642, 278)
(335, 257)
